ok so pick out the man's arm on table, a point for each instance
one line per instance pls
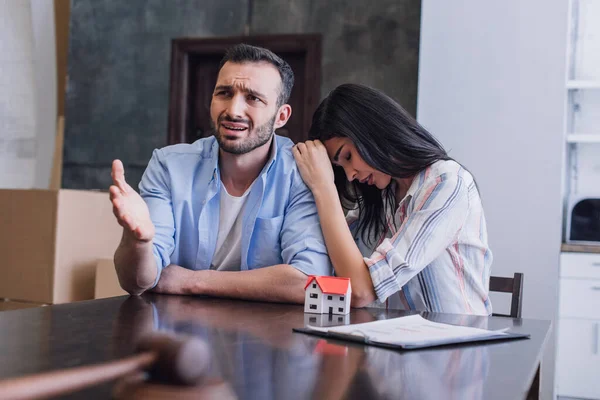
(278, 283)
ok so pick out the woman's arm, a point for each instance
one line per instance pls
(347, 260)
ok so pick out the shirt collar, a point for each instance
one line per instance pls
(273, 152)
(414, 185)
(412, 189)
(272, 155)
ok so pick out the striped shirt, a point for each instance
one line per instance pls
(434, 256)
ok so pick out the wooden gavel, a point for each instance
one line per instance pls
(168, 359)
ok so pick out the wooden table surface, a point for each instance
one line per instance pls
(255, 354)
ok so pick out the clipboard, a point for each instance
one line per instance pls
(358, 335)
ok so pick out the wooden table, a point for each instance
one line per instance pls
(255, 354)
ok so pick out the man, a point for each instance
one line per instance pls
(227, 215)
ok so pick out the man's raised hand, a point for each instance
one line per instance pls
(129, 207)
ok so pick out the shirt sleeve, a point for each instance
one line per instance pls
(155, 189)
(302, 242)
(439, 209)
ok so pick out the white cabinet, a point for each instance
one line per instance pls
(580, 265)
(579, 298)
(578, 356)
(578, 344)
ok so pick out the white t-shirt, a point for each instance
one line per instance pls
(228, 252)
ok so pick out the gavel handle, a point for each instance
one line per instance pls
(60, 382)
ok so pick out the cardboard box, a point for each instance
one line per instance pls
(51, 240)
(8, 305)
(107, 282)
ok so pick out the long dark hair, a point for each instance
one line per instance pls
(386, 136)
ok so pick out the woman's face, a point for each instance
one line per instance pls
(342, 152)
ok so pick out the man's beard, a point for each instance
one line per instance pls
(262, 134)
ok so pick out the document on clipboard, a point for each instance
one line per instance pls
(411, 332)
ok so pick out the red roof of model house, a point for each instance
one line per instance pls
(330, 284)
(323, 347)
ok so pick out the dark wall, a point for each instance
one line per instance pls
(119, 58)
(373, 42)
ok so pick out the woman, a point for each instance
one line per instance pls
(415, 237)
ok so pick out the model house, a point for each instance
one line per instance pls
(327, 295)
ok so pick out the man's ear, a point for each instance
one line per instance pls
(283, 115)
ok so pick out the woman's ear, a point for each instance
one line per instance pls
(283, 115)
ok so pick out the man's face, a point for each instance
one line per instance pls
(243, 110)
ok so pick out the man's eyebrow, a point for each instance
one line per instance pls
(249, 91)
(337, 153)
(255, 93)
(223, 87)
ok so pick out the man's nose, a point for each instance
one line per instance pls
(237, 107)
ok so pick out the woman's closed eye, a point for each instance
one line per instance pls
(345, 159)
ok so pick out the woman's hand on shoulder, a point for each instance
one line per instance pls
(314, 165)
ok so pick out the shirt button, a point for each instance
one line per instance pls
(203, 201)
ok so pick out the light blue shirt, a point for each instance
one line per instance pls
(182, 188)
